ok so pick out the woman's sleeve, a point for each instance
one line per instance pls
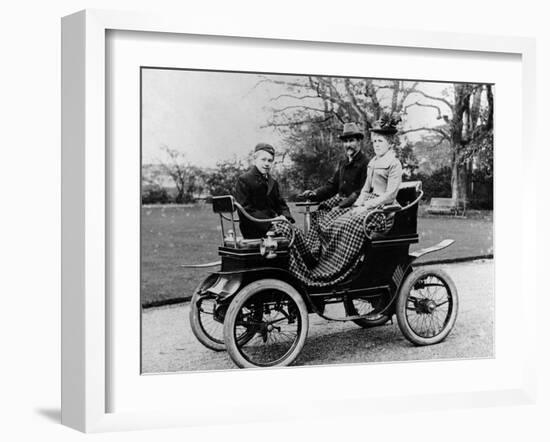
(395, 177)
(395, 172)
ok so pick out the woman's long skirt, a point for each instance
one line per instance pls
(332, 248)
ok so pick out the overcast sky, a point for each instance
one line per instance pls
(210, 116)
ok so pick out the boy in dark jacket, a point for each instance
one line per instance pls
(259, 194)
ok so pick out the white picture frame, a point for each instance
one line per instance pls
(86, 316)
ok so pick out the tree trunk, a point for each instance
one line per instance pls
(454, 173)
(459, 174)
(462, 186)
(459, 182)
(179, 196)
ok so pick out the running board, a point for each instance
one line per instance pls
(201, 266)
(443, 244)
(348, 318)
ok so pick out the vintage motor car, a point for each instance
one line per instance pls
(254, 308)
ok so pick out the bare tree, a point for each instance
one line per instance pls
(467, 126)
(176, 170)
(311, 115)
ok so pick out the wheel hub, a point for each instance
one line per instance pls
(431, 306)
(427, 306)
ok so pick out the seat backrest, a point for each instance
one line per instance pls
(223, 204)
(408, 192)
(405, 221)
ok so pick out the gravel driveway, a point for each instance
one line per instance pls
(169, 345)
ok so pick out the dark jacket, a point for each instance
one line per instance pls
(347, 181)
(261, 199)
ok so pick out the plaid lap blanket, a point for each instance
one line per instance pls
(332, 248)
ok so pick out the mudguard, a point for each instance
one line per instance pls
(226, 284)
(222, 285)
(201, 266)
(443, 244)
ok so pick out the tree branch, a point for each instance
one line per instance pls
(417, 103)
(295, 106)
(293, 96)
(424, 94)
(293, 123)
(406, 91)
(395, 94)
(371, 93)
(429, 129)
(439, 142)
(354, 103)
(280, 82)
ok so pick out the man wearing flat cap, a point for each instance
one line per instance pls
(349, 177)
(258, 193)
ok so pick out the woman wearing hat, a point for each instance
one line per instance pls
(384, 172)
(331, 251)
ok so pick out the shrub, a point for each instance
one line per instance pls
(436, 185)
(154, 195)
(482, 191)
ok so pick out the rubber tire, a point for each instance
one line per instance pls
(401, 306)
(240, 299)
(351, 310)
(196, 326)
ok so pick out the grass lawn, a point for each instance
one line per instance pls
(174, 235)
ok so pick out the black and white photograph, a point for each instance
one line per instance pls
(233, 221)
(307, 220)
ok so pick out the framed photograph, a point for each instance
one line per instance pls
(172, 129)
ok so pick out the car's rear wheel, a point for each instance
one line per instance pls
(427, 306)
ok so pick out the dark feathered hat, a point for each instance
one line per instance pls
(386, 125)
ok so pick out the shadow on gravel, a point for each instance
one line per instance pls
(357, 345)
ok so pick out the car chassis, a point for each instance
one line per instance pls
(258, 311)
